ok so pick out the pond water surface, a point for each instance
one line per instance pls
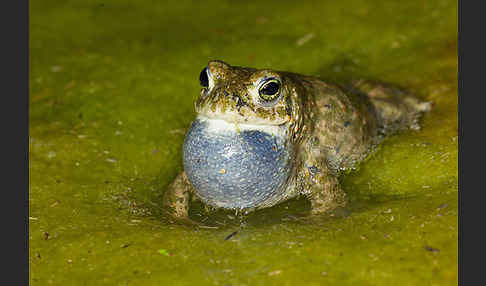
(112, 86)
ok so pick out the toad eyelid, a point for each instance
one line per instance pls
(264, 80)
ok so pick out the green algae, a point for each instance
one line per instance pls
(112, 90)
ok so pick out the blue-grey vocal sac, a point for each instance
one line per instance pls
(262, 137)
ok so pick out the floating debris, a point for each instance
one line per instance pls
(442, 206)
(163, 252)
(51, 154)
(273, 273)
(178, 131)
(304, 39)
(208, 227)
(230, 235)
(56, 68)
(431, 249)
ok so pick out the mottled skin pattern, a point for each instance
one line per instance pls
(331, 127)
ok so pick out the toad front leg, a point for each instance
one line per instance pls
(177, 197)
(323, 189)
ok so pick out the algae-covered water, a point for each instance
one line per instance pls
(112, 85)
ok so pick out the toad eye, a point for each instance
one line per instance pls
(269, 90)
(203, 77)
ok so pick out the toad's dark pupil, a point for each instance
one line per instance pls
(270, 88)
(203, 78)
